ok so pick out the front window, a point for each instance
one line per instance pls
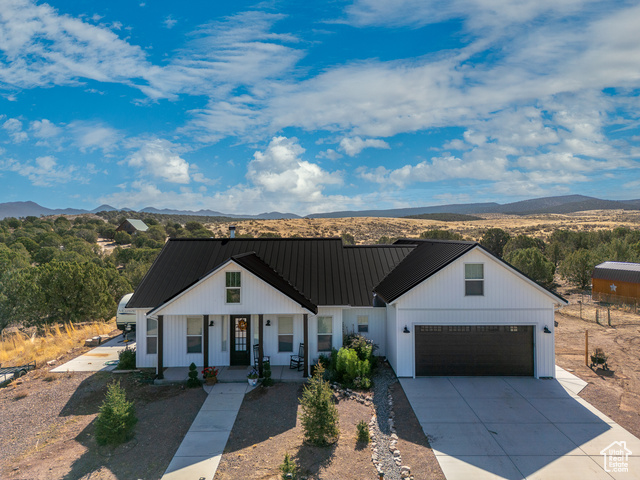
(232, 283)
(194, 334)
(325, 334)
(285, 334)
(473, 279)
(363, 323)
(152, 336)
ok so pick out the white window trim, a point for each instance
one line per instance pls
(291, 334)
(473, 279)
(200, 318)
(226, 289)
(358, 317)
(151, 336)
(318, 333)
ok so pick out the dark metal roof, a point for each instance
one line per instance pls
(255, 265)
(618, 271)
(427, 258)
(322, 271)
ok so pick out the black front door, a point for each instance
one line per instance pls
(240, 340)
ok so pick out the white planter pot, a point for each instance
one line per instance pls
(252, 381)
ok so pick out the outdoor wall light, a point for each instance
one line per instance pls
(546, 329)
(406, 329)
(268, 323)
(211, 324)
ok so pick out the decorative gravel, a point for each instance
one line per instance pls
(385, 454)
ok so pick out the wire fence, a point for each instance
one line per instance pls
(591, 309)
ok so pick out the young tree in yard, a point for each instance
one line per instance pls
(494, 240)
(577, 267)
(532, 263)
(319, 415)
(117, 417)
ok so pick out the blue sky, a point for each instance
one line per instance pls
(304, 107)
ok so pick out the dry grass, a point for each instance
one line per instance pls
(369, 230)
(19, 348)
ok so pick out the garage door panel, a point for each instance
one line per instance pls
(473, 350)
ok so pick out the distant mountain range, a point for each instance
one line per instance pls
(561, 204)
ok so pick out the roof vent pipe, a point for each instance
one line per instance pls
(232, 231)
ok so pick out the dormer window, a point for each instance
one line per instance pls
(473, 279)
(232, 283)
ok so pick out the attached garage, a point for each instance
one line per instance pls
(474, 350)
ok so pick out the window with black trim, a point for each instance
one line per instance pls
(152, 336)
(474, 279)
(232, 284)
(363, 323)
(285, 334)
(194, 334)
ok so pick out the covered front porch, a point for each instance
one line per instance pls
(237, 374)
(232, 343)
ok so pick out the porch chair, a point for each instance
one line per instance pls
(297, 361)
(256, 355)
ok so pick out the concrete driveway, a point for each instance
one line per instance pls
(517, 427)
(103, 358)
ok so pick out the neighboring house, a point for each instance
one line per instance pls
(433, 307)
(132, 225)
(616, 282)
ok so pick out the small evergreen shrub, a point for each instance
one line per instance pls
(127, 359)
(267, 381)
(117, 417)
(319, 415)
(288, 467)
(193, 380)
(363, 432)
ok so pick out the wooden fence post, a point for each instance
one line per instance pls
(586, 347)
(597, 317)
(609, 315)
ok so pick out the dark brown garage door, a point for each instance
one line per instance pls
(474, 350)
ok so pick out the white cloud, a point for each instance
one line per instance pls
(43, 172)
(14, 128)
(157, 158)
(44, 129)
(169, 22)
(330, 153)
(353, 146)
(92, 136)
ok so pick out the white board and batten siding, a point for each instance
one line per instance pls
(209, 297)
(509, 299)
(376, 325)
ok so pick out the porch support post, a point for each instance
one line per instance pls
(205, 340)
(305, 323)
(160, 366)
(260, 343)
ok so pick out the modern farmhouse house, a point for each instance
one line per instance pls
(433, 307)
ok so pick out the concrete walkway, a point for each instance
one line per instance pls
(519, 427)
(103, 358)
(199, 453)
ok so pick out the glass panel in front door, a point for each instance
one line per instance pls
(241, 334)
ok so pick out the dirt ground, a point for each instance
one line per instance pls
(615, 392)
(47, 424)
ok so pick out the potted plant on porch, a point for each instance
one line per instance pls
(210, 375)
(252, 377)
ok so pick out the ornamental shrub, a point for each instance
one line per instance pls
(319, 415)
(267, 381)
(349, 367)
(117, 417)
(288, 467)
(193, 380)
(127, 359)
(363, 432)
